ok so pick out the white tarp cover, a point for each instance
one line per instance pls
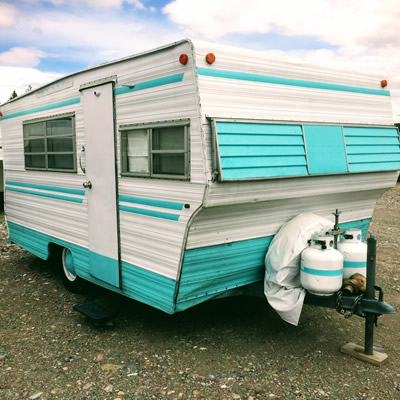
(282, 286)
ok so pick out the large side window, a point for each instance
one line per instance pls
(49, 144)
(159, 151)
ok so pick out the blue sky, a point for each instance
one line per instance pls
(42, 40)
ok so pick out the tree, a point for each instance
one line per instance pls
(13, 95)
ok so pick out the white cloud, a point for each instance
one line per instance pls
(364, 34)
(361, 34)
(8, 15)
(334, 21)
(19, 79)
(89, 37)
(20, 56)
(85, 37)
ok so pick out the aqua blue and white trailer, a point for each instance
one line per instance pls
(164, 176)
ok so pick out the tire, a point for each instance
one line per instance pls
(71, 281)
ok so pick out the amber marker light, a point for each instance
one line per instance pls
(384, 83)
(183, 59)
(210, 58)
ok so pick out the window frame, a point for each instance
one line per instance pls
(47, 153)
(149, 127)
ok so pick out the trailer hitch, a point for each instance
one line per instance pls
(348, 303)
(360, 305)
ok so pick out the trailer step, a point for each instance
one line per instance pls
(95, 312)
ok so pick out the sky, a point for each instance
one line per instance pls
(41, 40)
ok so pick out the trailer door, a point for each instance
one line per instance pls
(101, 182)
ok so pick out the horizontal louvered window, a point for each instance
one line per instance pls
(250, 150)
(372, 149)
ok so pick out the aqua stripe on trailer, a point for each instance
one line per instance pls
(49, 188)
(42, 194)
(166, 80)
(150, 213)
(151, 202)
(243, 76)
(60, 104)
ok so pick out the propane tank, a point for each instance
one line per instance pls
(321, 269)
(354, 253)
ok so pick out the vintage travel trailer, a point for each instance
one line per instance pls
(164, 176)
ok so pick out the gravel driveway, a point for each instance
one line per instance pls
(236, 348)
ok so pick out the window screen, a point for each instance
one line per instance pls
(155, 152)
(50, 144)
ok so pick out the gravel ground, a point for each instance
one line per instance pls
(235, 348)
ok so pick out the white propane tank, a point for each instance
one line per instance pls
(354, 253)
(321, 270)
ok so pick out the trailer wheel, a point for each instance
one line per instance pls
(71, 280)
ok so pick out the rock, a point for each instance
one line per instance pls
(99, 358)
(111, 367)
(87, 386)
(36, 396)
(378, 347)
(164, 364)
(108, 388)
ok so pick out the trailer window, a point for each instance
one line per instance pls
(49, 144)
(159, 152)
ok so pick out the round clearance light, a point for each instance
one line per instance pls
(384, 83)
(1, 114)
(183, 59)
(210, 58)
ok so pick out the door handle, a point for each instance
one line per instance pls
(87, 185)
(80, 160)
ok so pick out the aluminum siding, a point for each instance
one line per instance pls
(156, 244)
(233, 98)
(244, 210)
(147, 242)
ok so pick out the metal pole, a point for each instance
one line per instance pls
(336, 228)
(370, 294)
